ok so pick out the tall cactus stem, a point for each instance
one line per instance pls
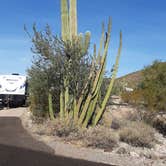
(65, 20)
(73, 19)
(103, 106)
(51, 112)
(62, 105)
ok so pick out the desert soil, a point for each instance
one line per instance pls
(124, 155)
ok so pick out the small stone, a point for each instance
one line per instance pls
(154, 156)
(122, 150)
(134, 154)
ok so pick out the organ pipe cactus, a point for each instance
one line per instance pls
(51, 112)
(69, 33)
(86, 107)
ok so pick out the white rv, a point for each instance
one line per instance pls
(12, 90)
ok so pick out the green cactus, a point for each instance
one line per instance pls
(69, 32)
(73, 19)
(65, 20)
(108, 93)
(86, 107)
(98, 78)
(62, 112)
(51, 112)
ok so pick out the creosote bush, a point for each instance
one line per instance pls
(137, 134)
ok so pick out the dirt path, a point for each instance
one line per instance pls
(17, 147)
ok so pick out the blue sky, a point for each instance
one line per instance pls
(142, 22)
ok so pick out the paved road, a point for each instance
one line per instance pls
(18, 148)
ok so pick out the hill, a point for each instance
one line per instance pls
(131, 80)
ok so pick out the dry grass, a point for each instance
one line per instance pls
(64, 129)
(97, 137)
(101, 137)
(44, 128)
(137, 134)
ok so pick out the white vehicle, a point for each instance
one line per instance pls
(13, 90)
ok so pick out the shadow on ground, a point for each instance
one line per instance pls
(14, 156)
(18, 148)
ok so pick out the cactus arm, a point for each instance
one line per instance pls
(90, 110)
(93, 105)
(86, 42)
(85, 90)
(51, 112)
(97, 79)
(84, 110)
(73, 19)
(75, 110)
(65, 20)
(101, 110)
(61, 105)
(101, 44)
(66, 96)
(103, 59)
(94, 52)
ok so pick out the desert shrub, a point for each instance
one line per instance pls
(49, 68)
(151, 90)
(77, 135)
(135, 98)
(101, 137)
(118, 123)
(119, 87)
(154, 86)
(137, 134)
(45, 128)
(38, 119)
(64, 129)
(106, 119)
(159, 122)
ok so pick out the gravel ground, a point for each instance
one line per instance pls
(94, 155)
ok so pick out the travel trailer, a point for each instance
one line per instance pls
(13, 90)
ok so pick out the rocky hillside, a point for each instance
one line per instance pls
(132, 79)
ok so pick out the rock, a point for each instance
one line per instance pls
(154, 156)
(122, 150)
(134, 154)
(159, 122)
(116, 99)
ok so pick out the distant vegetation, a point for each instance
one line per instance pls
(151, 88)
